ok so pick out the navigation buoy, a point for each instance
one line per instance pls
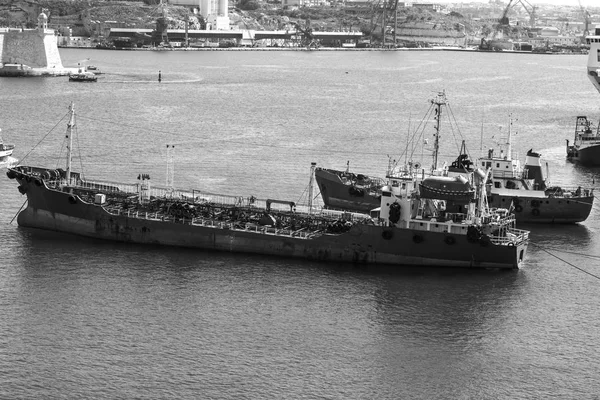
(159, 76)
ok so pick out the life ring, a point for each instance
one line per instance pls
(37, 182)
(535, 203)
(11, 174)
(72, 200)
(449, 240)
(387, 235)
(417, 238)
(535, 212)
(518, 208)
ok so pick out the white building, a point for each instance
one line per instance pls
(215, 12)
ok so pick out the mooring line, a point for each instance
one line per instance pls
(565, 261)
(574, 252)
(13, 218)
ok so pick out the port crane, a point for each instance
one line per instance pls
(381, 9)
(162, 23)
(486, 44)
(586, 22)
(308, 38)
(504, 22)
(530, 10)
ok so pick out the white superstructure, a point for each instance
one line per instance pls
(593, 66)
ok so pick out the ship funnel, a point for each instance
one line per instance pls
(533, 170)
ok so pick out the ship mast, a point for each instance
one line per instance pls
(509, 141)
(69, 137)
(313, 165)
(439, 101)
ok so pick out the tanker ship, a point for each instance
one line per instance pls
(409, 228)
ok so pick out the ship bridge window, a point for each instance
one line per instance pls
(497, 165)
(497, 185)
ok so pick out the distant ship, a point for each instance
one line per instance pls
(586, 144)
(83, 76)
(406, 229)
(6, 151)
(526, 191)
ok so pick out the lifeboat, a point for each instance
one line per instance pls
(447, 188)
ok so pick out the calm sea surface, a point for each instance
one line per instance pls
(82, 318)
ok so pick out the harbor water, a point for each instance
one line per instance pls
(82, 318)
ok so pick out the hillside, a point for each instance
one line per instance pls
(249, 15)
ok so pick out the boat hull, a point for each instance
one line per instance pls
(364, 244)
(339, 195)
(560, 210)
(588, 156)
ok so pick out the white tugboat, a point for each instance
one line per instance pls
(6, 150)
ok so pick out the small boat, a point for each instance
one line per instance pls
(348, 191)
(405, 229)
(83, 76)
(6, 151)
(93, 69)
(585, 149)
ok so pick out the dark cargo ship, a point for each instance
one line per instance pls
(406, 229)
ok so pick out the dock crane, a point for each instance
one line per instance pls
(586, 22)
(486, 44)
(530, 10)
(504, 22)
(159, 35)
(308, 39)
(381, 9)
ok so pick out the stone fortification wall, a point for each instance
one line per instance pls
(34, 48)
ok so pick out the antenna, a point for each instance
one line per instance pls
(170, 166)
(313, 165)
(439, 101)
(70, 127)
